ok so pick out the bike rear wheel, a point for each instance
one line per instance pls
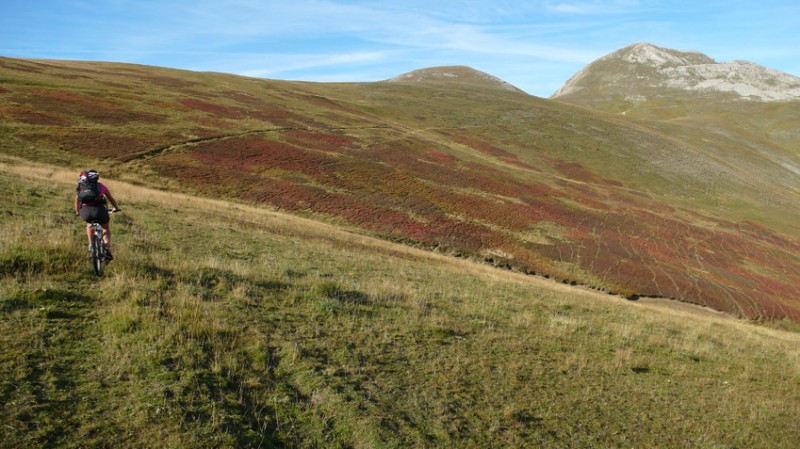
(97, 254)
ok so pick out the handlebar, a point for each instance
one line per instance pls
(112, 211)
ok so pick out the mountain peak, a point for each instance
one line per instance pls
(654, 56)
(457, 74)
(644, 71)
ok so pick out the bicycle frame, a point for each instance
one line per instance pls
(97, 249)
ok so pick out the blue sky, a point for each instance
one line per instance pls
(535, 45)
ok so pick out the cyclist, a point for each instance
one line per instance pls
(90, 204)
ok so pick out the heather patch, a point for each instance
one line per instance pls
(21, 114)
(75, 105)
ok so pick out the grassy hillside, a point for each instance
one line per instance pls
(496, 176)
(747, 149)
(224, 325)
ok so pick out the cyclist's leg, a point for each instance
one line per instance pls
(107, 234)
(107, 240)
(89, 233)
(105, 221)
(89, 215)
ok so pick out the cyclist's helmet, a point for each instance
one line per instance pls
(90, 175)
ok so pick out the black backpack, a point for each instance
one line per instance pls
(88, 193)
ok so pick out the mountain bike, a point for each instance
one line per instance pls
(97, 250)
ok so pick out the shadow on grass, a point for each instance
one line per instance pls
(42, 297)
(21, 263)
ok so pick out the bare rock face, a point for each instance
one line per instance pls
(643, 71)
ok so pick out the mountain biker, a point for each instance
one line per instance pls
(90, 204)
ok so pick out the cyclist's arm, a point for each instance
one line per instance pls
(77, 205)
(112, 200)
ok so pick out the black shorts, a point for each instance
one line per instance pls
(94, 214)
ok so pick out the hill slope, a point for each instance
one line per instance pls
(641, 209)
(224, 325)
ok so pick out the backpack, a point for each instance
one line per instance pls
(88, 193)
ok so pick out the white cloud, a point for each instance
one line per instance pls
(280, 64)
(592, 7)
(492, 41)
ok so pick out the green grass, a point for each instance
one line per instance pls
(222, 325)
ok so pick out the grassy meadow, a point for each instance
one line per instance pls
(226, 325)
(701, 209)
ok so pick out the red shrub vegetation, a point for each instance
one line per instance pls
(20, 114)
(439, 157)
(75, 106)
(103, 144)
(330, 141)
(270, 113)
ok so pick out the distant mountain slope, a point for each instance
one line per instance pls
(643, 71)
(631, 207)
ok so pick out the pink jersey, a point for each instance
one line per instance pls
(103, 190)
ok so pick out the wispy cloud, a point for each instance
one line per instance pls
(243, 24)
(286, 64)
(592, 7)
(257, 39)
(493, 41)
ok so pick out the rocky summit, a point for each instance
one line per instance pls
(644, 71)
